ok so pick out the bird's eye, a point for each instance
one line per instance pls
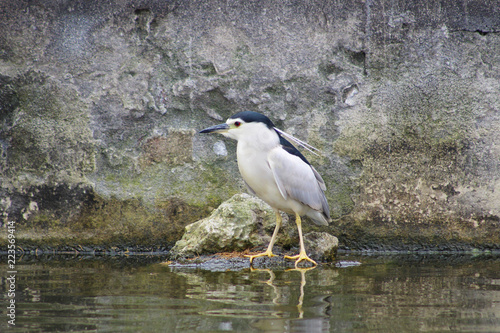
(237, 124)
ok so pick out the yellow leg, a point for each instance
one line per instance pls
(302, 254)
(269, 251)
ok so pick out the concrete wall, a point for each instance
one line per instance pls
(100, 104)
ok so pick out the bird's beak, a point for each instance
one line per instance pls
(221, 128)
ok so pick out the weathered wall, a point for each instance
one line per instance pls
(101, 101)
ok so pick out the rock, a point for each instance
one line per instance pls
(321, 246)
(244, 222)
(233, 226)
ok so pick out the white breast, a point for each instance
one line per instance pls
(255, 170)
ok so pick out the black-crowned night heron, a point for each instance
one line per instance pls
(275, 171)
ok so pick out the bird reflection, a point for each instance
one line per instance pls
(283, 323)
(302, 272)
(269, 282)
(276, 290)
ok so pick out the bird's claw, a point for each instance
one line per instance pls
(263, 254)
(300, 257)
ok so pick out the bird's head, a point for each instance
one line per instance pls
(253, 126)
(243, 125)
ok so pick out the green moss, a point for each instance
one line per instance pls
(44, 222)
(51, 137)
(341, 202)
(38, 96)
(112, 222)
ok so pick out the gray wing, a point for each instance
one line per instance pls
(298, 180)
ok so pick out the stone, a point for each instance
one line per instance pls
(321, 246)
(245, 222)
(233, 226)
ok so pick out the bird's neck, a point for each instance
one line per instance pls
(260, 141)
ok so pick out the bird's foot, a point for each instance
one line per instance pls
(268, 253)
(301, 256)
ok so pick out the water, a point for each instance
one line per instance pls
(418, 293)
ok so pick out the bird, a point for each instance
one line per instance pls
(276, 171)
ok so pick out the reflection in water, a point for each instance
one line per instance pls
(278, 307)
(302, 284)
(312, 325)
(137, 294)
(272, 277)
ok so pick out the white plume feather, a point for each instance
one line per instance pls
(298, 142)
